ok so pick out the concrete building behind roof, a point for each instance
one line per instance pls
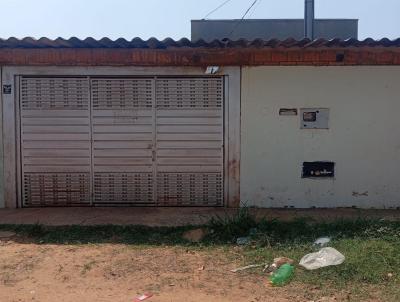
(267, 29)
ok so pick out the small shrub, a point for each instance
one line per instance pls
(34, 230)
(228, 227)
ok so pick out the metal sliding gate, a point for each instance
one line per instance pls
(138, 141)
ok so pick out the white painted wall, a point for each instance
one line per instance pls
(363, 139)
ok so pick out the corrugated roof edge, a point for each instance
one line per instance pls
(154, 43)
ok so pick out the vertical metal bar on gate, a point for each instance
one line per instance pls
(91, 189)
(154, 145)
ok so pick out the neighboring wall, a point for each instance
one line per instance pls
(363, 138)
(1, 142)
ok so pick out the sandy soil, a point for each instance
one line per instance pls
(118, 273)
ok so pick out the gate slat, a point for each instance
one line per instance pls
(55, 146)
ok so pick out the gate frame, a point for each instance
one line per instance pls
(11, 119)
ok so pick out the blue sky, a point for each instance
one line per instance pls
(171, 18)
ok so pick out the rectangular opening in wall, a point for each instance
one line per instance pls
(288, 111)
(318, 169)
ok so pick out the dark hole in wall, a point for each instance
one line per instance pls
(288, 111)
(340, 57)
(318, 169)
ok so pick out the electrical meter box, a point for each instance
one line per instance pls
(314, 118)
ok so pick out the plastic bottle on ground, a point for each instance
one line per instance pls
(282, 275)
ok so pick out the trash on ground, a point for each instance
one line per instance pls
(322, 241)
(246, 267)
(143, 297)
(282, 275)
(243, 240)
(195, 235)
(278, 262)
(201, 268)
(327, 256)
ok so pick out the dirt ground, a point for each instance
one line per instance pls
(118, 273)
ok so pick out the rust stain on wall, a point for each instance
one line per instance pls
(233, 172)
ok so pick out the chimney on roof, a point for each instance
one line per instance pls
(309, 19)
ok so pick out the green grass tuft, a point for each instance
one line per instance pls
(229, 227)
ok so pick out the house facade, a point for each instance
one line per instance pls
(219, 124)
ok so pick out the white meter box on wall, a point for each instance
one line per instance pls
(314, 118)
